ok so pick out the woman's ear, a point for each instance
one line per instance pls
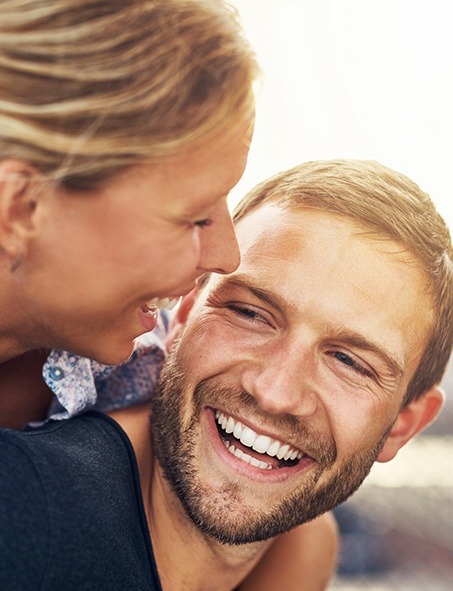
(413, 419)
(18, 198)
(179, 319)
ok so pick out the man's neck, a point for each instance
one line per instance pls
(186, 558)
(202, 563)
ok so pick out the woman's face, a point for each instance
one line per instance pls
(100, 258)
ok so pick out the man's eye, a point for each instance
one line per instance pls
(349, 361)
(246, 312)
(204, 223)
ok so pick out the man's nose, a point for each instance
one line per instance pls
(283, 384)
(219, 251)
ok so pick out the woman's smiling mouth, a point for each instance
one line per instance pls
(154, 304)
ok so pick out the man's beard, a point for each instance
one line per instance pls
(222, 511)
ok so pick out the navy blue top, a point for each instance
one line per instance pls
(71, 510)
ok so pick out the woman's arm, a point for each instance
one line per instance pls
(303, 559)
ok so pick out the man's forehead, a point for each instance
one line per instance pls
(265, 224)
(308, 261)
(273, 241)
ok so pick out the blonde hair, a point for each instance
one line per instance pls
(388, 204)
(88, 87)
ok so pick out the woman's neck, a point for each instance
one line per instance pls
(24, 396)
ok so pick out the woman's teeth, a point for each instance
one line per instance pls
(156, 304)
(150, 311)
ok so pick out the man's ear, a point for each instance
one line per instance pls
(18, 197)
(179, 319)
(413, 419)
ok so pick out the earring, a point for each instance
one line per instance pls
(18, 262)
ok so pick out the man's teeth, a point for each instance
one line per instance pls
(162, 303)
(246, 458)
(263, 444)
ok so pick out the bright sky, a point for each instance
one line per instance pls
(354, 78)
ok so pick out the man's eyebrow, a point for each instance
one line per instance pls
(264, 295)
(358, 341)
(346, 336)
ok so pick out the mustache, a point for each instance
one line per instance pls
(237, 401)
(172, 391)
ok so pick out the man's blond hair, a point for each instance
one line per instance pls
(386, 204)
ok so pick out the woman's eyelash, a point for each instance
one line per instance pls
(203, 223)
(349, 361)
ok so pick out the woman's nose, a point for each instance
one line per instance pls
(219, 252)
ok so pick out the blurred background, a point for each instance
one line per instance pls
(368, 79)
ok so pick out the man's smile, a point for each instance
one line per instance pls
(254, 449)
(234, 433)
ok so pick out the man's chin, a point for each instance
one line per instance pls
(225, 498)
(230, 524)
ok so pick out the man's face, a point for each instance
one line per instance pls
(289, 374)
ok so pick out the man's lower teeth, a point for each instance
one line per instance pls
(245, 457)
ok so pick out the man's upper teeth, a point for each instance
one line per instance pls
(260, 443)
(163, 303)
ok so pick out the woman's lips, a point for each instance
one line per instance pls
(148, 317)
(150, 310)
